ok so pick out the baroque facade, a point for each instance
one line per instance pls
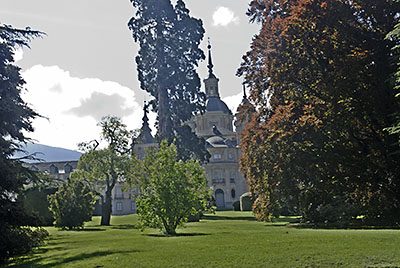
(222, 142)
(216, 127)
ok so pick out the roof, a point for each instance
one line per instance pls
(215, 104)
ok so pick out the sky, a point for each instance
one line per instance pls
(84, 67)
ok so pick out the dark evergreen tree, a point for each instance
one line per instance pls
(169, 41)
(15, 118)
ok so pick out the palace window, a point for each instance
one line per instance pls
(217, 156)
(119, 206)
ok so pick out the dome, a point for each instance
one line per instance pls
(215, 104)
(216, 141)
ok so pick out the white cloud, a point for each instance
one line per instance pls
(75, 105)
(233, 101)
(223, 16)
(18, 54)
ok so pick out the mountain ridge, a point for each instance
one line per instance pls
(46, 153)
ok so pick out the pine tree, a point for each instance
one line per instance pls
(15, 119)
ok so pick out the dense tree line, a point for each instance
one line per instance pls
(321, 79)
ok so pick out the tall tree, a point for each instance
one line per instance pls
(104, 168)
(319, 74)
(15, 120)
(169, 41)
(394, 35)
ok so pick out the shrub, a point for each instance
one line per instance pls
(246, 202)
(16, 241)
(72, 204)
(236, 206)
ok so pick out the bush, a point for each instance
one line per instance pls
(35, 201)
(72, 204)
(246, 202)
(16, 241)
(236, 206)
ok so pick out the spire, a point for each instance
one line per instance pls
(145, 119)
(244, 100)
(210, 64)
(145, 132)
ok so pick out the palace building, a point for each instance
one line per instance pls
(222, 142)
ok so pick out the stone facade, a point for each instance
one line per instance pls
(123, 202)
(216, 127)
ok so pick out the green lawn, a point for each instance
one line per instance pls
(227, 239)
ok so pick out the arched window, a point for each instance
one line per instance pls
(219, 199)
(233, 193)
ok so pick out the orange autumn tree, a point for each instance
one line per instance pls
(320, 77)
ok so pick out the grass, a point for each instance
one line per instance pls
(227, 239)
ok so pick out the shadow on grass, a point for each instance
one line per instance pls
(224, 218)
(176, 235)
(124, 226)
(341, 227)
(90, 229)
(35, 262)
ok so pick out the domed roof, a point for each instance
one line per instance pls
(216, 141)
(215, 104)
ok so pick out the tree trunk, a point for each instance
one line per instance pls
(106, 209)
(163, 114)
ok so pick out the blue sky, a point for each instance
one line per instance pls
(84, 67)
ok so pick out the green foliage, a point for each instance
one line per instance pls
(169, 190)
(169, 40)
(246, 202)
(35, 201)
(72, 204)
(320, 76)
(103, 168)
(236, 206)
(15, 120)
(16, 241)
(395, 36)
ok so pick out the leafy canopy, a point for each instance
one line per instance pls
(319, 73)
(104, 168)
(72, 204)
(169, 190)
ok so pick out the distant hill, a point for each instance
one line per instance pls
(49, 154)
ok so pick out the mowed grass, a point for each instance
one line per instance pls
(227, 239)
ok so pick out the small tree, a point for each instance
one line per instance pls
(72, 204)
(169, 190)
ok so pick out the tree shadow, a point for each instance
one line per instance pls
(124, 226)
(35, 262)
(340, 227)
(176, 235)
(90, 229)
(219, 218)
